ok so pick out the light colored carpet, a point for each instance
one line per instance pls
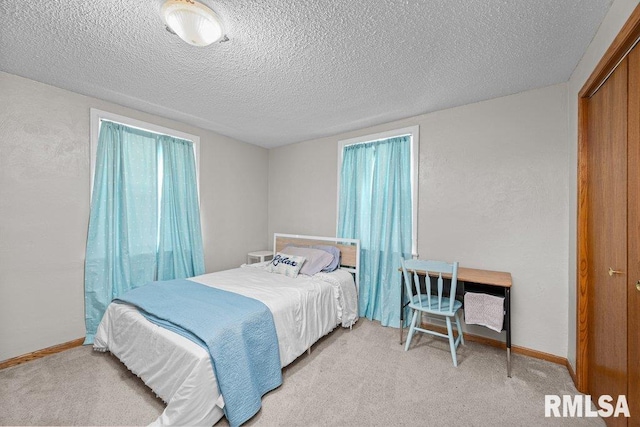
(361, 377)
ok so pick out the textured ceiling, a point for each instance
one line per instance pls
(295, 70)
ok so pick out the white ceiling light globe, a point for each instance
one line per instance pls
(193, 22)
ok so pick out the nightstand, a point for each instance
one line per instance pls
(261, 256)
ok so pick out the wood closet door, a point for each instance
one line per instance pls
(633, 239)
(607, 238)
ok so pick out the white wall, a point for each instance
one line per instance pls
(44, 208)
(609, 28)
(493, 194)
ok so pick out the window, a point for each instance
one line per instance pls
(414, 134)
(377, 192)
(145, 215)
(97, 116)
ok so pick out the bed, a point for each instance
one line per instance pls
(180, 372)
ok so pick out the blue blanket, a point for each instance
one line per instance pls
(238, 332)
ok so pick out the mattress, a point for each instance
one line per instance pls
(180, 372)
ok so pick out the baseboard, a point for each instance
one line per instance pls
(41, 353)
(514, 348)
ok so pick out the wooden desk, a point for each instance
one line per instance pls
(474, 280)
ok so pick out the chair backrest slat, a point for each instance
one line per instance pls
(416, 286)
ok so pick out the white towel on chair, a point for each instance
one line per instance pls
(483, 309)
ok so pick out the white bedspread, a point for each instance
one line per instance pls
(180, 372)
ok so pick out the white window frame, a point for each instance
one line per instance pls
(96, 119)
(414, 133)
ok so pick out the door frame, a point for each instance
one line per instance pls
(619, 49)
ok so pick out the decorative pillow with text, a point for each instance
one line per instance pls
(288, 265)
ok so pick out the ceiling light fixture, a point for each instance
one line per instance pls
(193, 22)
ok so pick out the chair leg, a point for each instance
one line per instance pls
(458, 325)
(452, 342)
(412, 329)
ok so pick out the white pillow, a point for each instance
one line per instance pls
(289, 265)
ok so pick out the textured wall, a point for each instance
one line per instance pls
(614, 20)
(44, 208)
(493, 194)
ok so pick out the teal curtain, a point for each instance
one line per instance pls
(126, 222)
(375, 206)
(180, 253)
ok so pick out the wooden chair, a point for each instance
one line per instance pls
(433, 302)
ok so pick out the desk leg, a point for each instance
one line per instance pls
(507, 301)
(401, 306)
